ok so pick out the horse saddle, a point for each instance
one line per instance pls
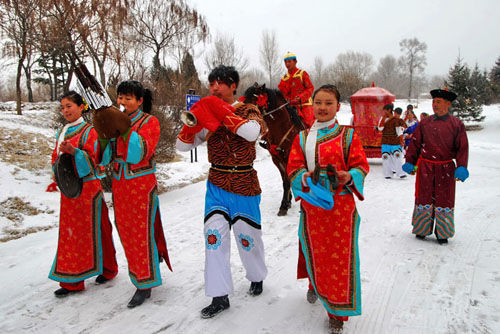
(110, 122)
(67, 178)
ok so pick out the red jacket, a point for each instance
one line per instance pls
(298, 84)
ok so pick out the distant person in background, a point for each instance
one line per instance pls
(437, 143)
(409, 109)
(85, 247)
(412, 123)
(423, 115)
(296, 87)
(392, 127)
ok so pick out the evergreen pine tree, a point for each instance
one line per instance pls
(480, 85)
(466, 106)
(158, 72)
(495, 73)
(189, 74)
(495, 80)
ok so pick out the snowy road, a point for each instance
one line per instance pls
(408, 285)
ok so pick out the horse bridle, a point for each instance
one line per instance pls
(285, 137)
(276, 109)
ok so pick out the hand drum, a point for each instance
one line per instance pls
(110, 122)
(67, 177)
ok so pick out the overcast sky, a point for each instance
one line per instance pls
(313, 28)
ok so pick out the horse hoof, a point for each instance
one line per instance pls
(282, 212)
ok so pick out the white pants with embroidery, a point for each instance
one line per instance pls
(218, 280)
(392, 162)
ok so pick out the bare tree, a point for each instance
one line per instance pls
(17, 19)
(413, 60)
(128, 58)
(318, 74)
(350, 71)
(103, 22)
(248, 78)
(358, 64)
(389, 75)
(57, 42)
(160, 23)
(269, 57)
(225, 52)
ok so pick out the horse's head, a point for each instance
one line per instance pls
(270, 101)
(257, 95)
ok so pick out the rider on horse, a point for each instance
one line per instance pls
(297, 88)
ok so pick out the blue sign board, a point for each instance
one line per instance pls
(191, 99)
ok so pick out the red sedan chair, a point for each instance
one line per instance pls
(366, 105)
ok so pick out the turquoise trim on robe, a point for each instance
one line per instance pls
(357, 185)
(82, 162)
(154, 249)
(106, 155)
(296, 182)
(135, 150)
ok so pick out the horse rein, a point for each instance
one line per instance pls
(285, 136)
(276, 109)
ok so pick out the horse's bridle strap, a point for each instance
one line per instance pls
(232, 169)
(276, 109)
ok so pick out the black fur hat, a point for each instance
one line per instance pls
(444, 94)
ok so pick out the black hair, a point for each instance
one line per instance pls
(398, 111)
(226, 74)
(73, 97)
(134, 87)
(329, 88)
(388, 106)
(409, 107)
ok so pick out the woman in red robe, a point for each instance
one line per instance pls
(329, 221)
(85, 246)
(135, 193)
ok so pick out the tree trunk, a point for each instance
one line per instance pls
(18, 85)
(27, 73)
(411, 83)
(102, 74)
(70, 76)
(55, 78)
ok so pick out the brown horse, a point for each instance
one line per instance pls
(283, 124)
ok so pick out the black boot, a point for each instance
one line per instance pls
(442, 241)
(335, 326)
(139, 298)
(63, 292)
(255, 288)
(101, 279)
(421, 237)
(311, 296)
(218, 305)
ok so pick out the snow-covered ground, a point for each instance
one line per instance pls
(408, 285)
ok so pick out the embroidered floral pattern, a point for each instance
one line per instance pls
(213, 239)
(246, 242)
